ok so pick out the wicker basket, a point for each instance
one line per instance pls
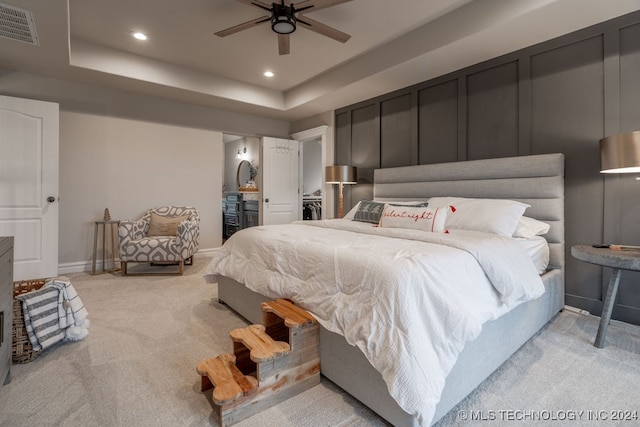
(22, 350)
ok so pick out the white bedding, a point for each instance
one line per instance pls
(537, 248)
(408, 299)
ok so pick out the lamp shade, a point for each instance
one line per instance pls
(620, 153)
(341, 174)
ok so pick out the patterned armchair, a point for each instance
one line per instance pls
(164, 235)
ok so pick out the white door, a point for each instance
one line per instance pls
(29, 184)
(280, 181)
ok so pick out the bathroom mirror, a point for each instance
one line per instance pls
(244, 174)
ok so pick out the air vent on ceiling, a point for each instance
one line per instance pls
(17, 24)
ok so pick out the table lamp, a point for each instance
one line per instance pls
(620, 153)
(340, 174)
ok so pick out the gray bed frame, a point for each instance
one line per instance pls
(536, 180)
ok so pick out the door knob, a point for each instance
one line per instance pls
(266, 200)
(51, 199)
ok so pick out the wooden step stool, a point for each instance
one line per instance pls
(270, 363)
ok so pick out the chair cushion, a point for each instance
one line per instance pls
(164, 226)
(159, 248)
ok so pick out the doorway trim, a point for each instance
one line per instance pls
(327, 157)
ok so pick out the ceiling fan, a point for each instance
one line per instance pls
(286, 16)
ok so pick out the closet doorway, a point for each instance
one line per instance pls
(313, 157)
(248, 149)
(312, 185)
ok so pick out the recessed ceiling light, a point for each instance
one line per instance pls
(139, 35)
(269, 74)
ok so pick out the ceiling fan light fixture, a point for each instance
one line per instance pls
(283, 23)
(284, 17)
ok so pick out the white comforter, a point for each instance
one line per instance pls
(408, 299)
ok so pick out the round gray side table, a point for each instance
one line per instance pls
(618, 261)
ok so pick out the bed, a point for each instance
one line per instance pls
(537, 181)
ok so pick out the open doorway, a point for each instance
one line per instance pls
(241, 202)
(240, 183)
(315, 155)
(312, 185)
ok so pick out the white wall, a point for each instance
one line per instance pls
(130, 152)
(130, 166)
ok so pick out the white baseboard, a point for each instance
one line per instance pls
(76, 267)
(205, 252)
(85, 266)
(576, 310)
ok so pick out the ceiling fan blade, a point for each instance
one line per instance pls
(283, 44)
(313, 5)
(320, 28)
(257, 3)
(244, 26)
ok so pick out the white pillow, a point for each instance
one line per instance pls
(414, 217)
(352, 213)
(529, 227)
(420, 203)
(498, 216)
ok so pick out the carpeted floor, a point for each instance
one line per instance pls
(137, 368)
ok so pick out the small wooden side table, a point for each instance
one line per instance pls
(618, 261)
(113, 225)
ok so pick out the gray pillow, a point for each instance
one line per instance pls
(369, 211)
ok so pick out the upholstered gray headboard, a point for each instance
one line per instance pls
(536, 180)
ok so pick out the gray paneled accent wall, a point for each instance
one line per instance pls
(563, 95)
(437, 123)
(567, 114)
(365, 129)
(627, 217)
(492, 112)
(395, 137)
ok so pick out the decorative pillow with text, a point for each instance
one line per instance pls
(375, 203)
(414, 217)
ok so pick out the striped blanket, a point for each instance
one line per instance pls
(54, 313)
